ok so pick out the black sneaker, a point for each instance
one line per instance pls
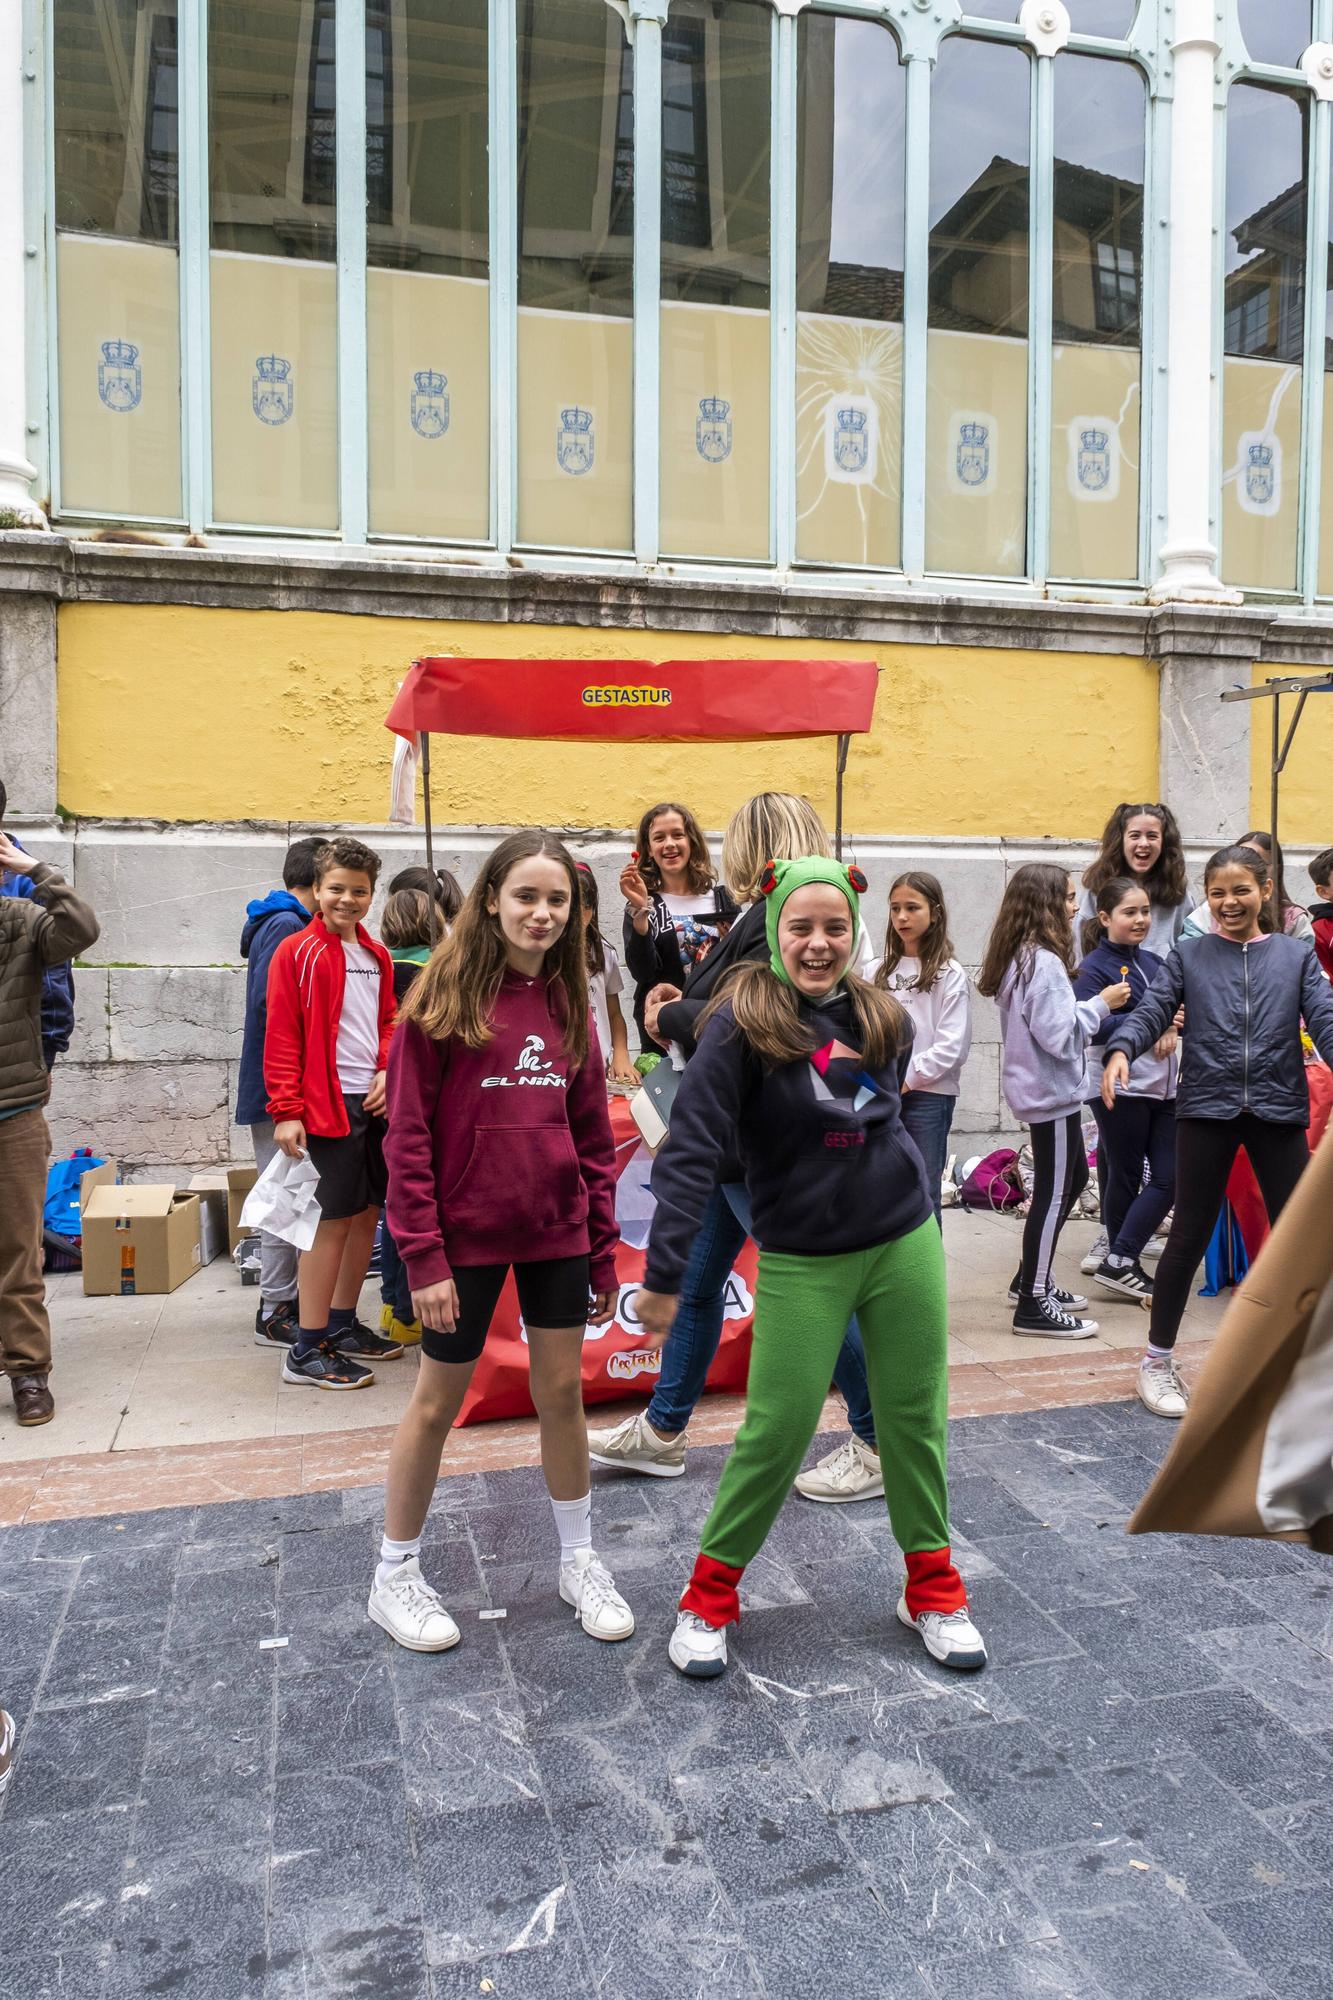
(325, 1368)
(279, 1327)
(366, 1344)
(1127, 1281)
(1049, 1320)
(1070, 1302)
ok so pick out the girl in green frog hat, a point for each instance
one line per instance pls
(799, 1067)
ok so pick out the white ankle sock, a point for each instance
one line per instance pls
(573, 1524)
(1160, 1353)
(392, 1553)
(1117, 1262)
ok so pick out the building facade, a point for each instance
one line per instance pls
(991, 343)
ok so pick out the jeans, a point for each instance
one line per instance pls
(394, 1288)
(277, 1258)
(697, 1327)
(927, 1116)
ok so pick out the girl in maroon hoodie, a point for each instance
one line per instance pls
(500, 1153)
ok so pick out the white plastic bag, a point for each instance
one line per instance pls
(282, 1201)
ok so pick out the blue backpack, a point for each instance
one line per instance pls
(61, 1218)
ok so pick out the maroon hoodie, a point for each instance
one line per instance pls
(500, 1154)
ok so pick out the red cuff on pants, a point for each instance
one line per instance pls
(933, 1584)
(711, 1592)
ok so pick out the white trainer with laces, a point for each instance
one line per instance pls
(588, 1585)
(1161, 1388)
(698, 1650)
(406, 1607)
(949, 1637)
(634, 1446)
(851, 1472)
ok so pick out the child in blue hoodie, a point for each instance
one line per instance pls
(1141, 1131)
(268, 920)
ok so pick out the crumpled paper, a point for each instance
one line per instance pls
(282, 1201)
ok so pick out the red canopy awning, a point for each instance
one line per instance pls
(674, 701)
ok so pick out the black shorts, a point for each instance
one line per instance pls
(352, 1174)
(552, 1292)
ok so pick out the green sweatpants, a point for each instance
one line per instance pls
(802, 1306)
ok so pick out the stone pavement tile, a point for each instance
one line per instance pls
(60, 1880)
(1237, 1557)
(1308, 1828)
(492, 1880)
(790, 1851)
(223, 1607)
(339, 1961)
(735, 1751)
(1135, 1646)
(76, 1759)
(555, 1971)
(1286, 1938)
(1056, 1573)
(239, 1978)
(134, 1585)
(1175, 1951)
(1196, 1828)
(342, 1855)
(609, 1792)
(1015, 1787)
(326, 1628)
(1048, 1969)
(1304, 1604)
(106, 1662)
(659, 1927)
(564, 1678)
(982, 1508)
(179, 1816)
(1280, 1670)
(478, 1661)
(805, 1532)
(213, 1719)
(29, 1619)
(19, 1488)
(947, 1889)
(116, 1532)
(336, 1718)
(840, 1943)
(1017, 1634)
(864, 1754)
(180, 1915)
(265, 1519)
(803, 1652)
(361, 1503)
(316, 1559)
(60, 1975)
(461, 1752)
(345, 1458)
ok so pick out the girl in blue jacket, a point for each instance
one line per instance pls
(1242, 1080)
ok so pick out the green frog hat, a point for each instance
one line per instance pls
(781, 878)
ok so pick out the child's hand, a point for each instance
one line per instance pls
(1178, 1023)
(436, 1306)
(1116, 996)
(289, 1138)
(633, 887)
(622, 1070)
(1116, 1074)
(655, 1312)
(13, 857)
(375, 1096)
(1166, 1046)
(658, 998)
(603, 1308)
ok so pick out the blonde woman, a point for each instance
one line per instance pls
(772, 826)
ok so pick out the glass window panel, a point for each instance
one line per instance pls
(1112, 18)
(1276, 31)
(716, 88)
(428, 290)
(977, 395)
(1326, 486)
(849, 291)
(1263, 336)
(1097, 299)
(271, 273)
(117, 268)
(575, 276)
(992, 10)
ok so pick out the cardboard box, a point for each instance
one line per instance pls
(103, 1176)
(240, 1180)
(139, 1239)
(212, 1220)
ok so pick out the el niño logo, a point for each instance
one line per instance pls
(627, 697)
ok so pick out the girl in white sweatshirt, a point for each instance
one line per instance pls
(921, 972)
(1029, 970)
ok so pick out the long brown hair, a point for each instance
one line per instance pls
(700, 864)
(456, 991)
(1165, 881)
(1265, 845)
(935, 948)
(767, 1015)
(1032, 914)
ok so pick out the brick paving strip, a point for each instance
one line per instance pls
(130, 1482)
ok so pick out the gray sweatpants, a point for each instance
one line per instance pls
(277, 1259)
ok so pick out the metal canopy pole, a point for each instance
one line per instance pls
(1302, 686)
(430, 845)
(844, 744)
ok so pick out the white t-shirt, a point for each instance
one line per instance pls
(359, 1023)
(941, 1022)
(600, 986)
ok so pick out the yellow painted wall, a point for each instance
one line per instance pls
(176, 713)
(1305, 808)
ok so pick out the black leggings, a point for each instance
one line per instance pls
(1060, 1174)
(1139, 1130)
(1205, 1151)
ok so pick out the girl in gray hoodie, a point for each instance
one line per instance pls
(1028, 970)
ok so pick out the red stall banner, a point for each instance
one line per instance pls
(671, 701)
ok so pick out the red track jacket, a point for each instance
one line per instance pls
(306, 979)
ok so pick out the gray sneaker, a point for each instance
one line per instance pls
(851, 1472)
(634, 1446)
(1160, 1387)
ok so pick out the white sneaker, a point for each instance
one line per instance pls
(852, 1472)
(699, 1650)
(949, 1637)
(634, 1446)
(408, 1609)
(1097, 1255)
(1153, 1248)
(8, 1737)
(588, 1585)
(1160, 1387)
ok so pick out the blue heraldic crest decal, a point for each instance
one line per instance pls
(1094, 460)
(972, 457)
(119, 376)
(1260, 483)
(430, 403)
(712, 430)
(851, 440)
(273, 392)
(574, 447)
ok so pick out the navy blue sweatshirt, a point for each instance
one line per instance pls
(828, 1163)
(1152, 1075)
(268, 920)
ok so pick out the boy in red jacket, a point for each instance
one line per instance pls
(326, 1043)
(1321, 913)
